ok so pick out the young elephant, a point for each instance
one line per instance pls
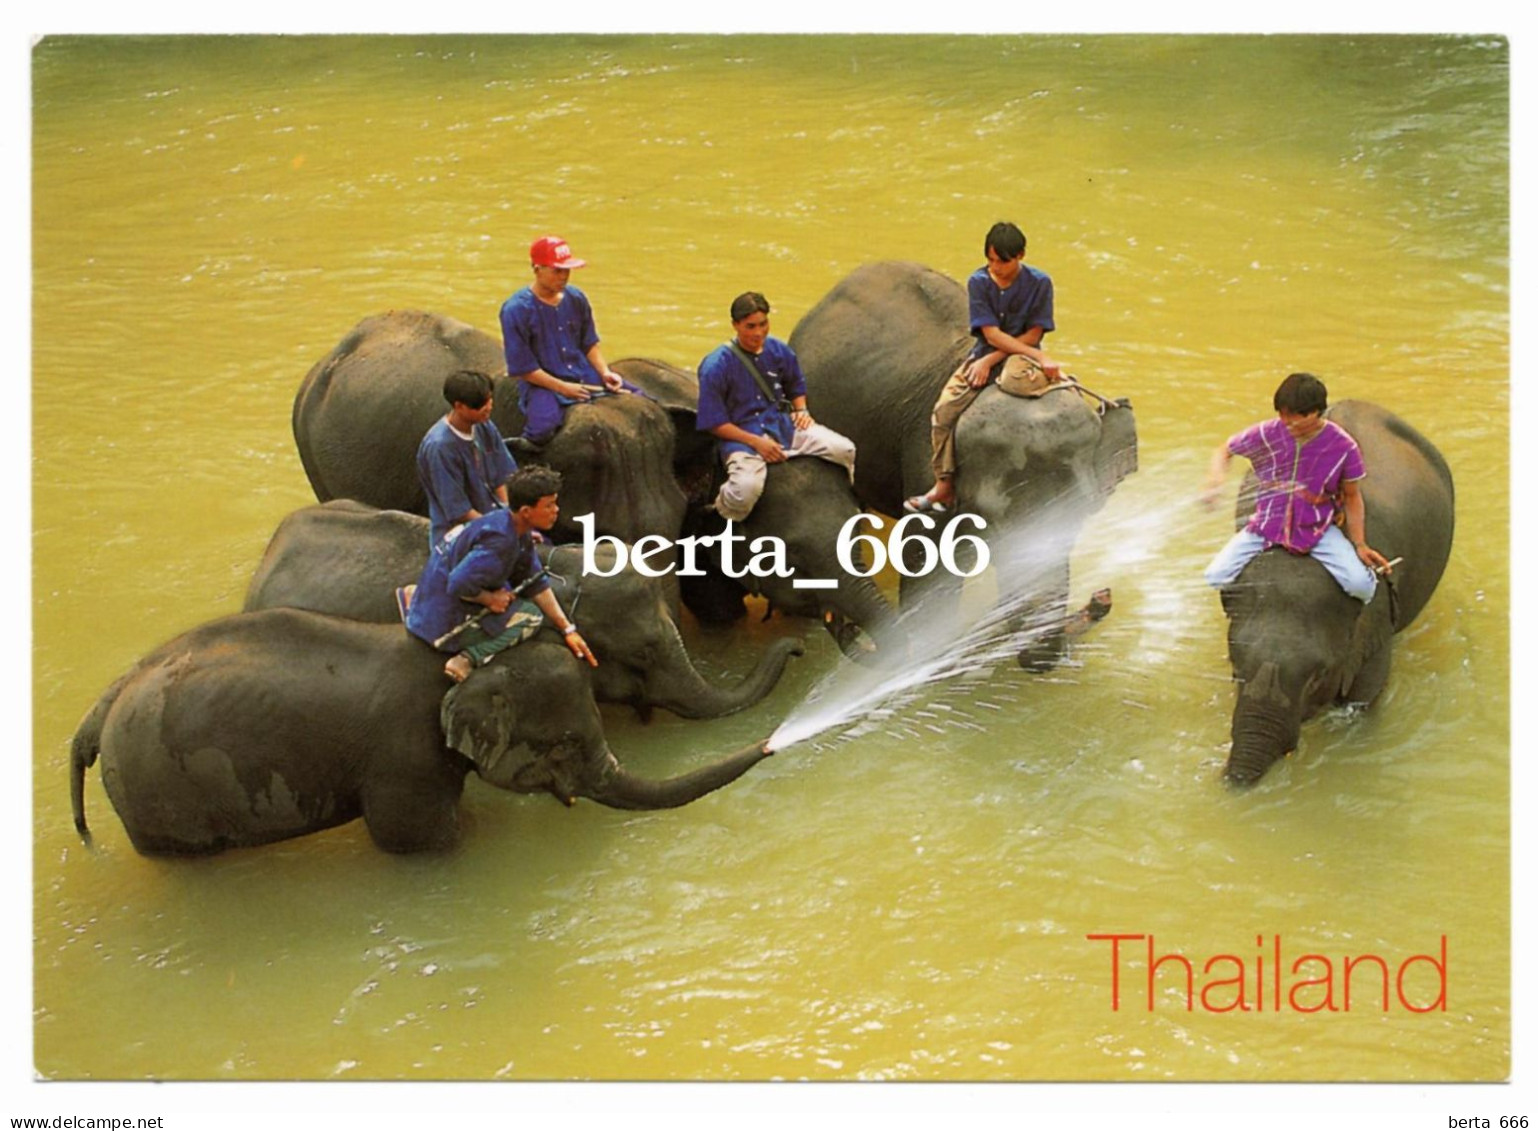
(347, 559)
(270, 725)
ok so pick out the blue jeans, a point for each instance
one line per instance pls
(1334, 552)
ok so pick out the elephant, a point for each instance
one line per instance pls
(362, 410)
(876, 351)
(269, 725)
(806, 504)
(347, 559)
(1296, 641)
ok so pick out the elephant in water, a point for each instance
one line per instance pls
(347, 559)
(362, 410)
(270, 725)
(1297, 642)
(876, 351)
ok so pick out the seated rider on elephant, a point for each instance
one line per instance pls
(1308, 469)
(1009, 310)
(551, 344)
(490, 562)
(753, 400)
(462, 461)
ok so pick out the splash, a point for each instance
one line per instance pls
(944, 648)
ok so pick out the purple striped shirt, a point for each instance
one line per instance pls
(1298, 482)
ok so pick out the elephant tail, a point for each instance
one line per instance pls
(84, 749)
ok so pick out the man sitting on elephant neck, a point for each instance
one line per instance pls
(551, 344)
(753, 400)
(1308, 469)
(491, 563)
(1009, 309)
(462, 461)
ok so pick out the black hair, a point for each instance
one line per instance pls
(748, 304)
(531, 483)
(1006, 240)
(1302, 393)
(467, 387)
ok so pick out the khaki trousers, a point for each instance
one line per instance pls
(746, 471)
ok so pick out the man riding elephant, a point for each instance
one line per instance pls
(551, 344)
(491, 562)
(1303, 464)
(462, 461)
(1009, 311)
(753, 400)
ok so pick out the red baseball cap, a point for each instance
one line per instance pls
(551, 251)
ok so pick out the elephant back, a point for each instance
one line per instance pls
(876, 351)
(1408, 493)
(341, 558)
(362, 410)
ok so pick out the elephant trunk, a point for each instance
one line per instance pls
(619, 789)
(1265, 730)
(860, 620)
(677, 685)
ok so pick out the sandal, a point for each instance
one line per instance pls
(923, 504)
(459, 667)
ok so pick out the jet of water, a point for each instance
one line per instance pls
(942, 647)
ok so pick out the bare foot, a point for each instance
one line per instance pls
(458, 667)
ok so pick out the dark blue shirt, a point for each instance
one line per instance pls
(1024, 303)
(730, 395)
(488, 553)
(461, 475)
(536, 335)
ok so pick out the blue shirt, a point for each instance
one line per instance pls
(1024, 303)
(488, 553)
(730, 395)
(536, 335)
(461, 475)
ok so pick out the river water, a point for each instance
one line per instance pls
(906, 896)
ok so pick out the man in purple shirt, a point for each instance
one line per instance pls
(1009, 309)
(1307, 468)
(551, 344)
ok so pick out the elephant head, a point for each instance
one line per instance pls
(532, 727)
(1035, 469)
(1294, 640)
(362, 410)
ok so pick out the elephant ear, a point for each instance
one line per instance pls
(480, 720)
(1116, 453)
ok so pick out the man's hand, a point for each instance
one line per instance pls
(977, 372)
(579, 648)
(1211, 490)
(1053, 371)
(497, 600)
(801, 419)
(613, 382)
(1372, 559)
(769, 448)
(576, 391)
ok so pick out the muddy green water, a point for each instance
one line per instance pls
(912, 903)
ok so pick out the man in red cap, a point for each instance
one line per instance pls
(551, 343)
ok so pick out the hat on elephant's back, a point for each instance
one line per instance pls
(1022, 377)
